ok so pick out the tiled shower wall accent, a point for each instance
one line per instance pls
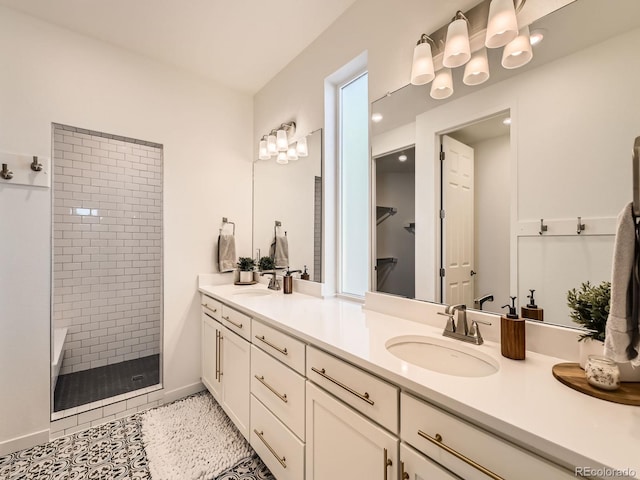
(317, 230)
(107, 246)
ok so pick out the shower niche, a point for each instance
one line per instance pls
(107, 224)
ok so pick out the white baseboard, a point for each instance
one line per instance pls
(26, 441)
(178, 393)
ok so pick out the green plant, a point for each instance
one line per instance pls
(246, 264)
(266, 263)
(590, 308)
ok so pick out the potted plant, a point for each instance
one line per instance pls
(266, 264)
(590, 308)
(246, 266)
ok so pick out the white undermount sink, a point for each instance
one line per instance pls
(442, 356)
(253, 292)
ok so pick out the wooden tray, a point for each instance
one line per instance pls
(573, 376)
(246, 283)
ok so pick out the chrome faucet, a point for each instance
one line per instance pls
(481, 300)
(274, 283)
(458, 328)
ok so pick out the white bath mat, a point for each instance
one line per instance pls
(191, 439)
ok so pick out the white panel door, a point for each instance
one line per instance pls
(458, 230)
(342, 444)
(235, 372)
(210, 360)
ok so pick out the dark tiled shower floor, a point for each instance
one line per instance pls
(88, 386)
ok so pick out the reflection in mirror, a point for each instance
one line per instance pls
(575, 113)
(292, 195)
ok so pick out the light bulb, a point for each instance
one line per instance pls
(518, 52)
(457, 50)
(502, 25)
(402, 158)
(422, 66)
(302, 148)
(442, 86)
(282, 158)
(292, 154)
(263, 153)
(271, 144)
(282, 143)
(376, 117)
(476, 71)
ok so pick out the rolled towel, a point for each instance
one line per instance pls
(226, 253)
(280, 251)
(621, 334)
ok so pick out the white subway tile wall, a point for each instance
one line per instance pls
(107, 246)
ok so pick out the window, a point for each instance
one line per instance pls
(353, 111)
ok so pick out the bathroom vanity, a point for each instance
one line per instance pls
(315, 388)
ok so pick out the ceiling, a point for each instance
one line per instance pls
(241, 43)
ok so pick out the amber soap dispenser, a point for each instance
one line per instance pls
(512, 333)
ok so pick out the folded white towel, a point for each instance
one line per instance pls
(621, 322)
(226, 253)
(280, 251)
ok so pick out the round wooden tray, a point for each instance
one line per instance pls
(573, 376)
(246, 283)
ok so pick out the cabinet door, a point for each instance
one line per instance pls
(210, 359)
(235, 372)
(415, 466)
(341, 443)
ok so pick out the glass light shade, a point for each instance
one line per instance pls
(457, 51)
(302, 148)
(282, 143)
(422, 67)
(292, 154)
(476, 71)
(442, 86)
(271, 144)
(263, 154)
(282, 158)
(518, 52)
(502, 25)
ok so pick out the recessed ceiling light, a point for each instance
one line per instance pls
(536, 36)
(376, 117)
(507, 121)
(402, 158)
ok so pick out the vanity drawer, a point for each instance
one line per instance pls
(211, 307)
(279, 388)
(277, 446)
(366, 393)
(466, 450)
(279, 345)
(236, 322)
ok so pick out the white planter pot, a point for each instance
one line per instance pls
(590, 347)
(246, 277)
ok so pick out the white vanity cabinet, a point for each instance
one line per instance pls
(225, 367)
(466, 450)
(342, 443)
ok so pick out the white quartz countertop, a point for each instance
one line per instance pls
(522, 401)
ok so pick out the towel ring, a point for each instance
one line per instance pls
(225, 221)
(275, 229)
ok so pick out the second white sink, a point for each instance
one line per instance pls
(442, 356)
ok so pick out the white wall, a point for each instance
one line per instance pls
(53, 75)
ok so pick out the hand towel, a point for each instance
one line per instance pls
(280, 251)
(621, 334)
(226, 253)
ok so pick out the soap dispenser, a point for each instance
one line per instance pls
(512, 333)
(305, 274)
(287, 281)
(532, 310)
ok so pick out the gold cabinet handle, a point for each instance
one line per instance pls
(362, 396)
(220, 357)
(206, 305)
(273, 452)
(438, 441)
(239, 325)
(403, 473)
(281, 350)
(217, 354)
(387, 463)
(282, 397)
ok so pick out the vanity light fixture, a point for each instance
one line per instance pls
(292, 153)
(422, 70)
(518, 52)
(277, 141)
(272, 148)
(457, 50)
(377, 117)
(263, 153)
(301, 147)
(476, 71)
(282, 143)
(282, 158)
(502, 25)
(442, 85)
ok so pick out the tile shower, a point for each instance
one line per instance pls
(107, 265)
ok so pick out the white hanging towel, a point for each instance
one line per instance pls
(226, 253)
(621, 334)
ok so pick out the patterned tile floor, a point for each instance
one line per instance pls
(113, 451)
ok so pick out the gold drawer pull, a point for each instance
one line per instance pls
(438, 441)
(282, 397)
(218, 355)
(387, 463)
(281, 350)
(281, 460)
(238, 325)
(206, 305)
(361, 396)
